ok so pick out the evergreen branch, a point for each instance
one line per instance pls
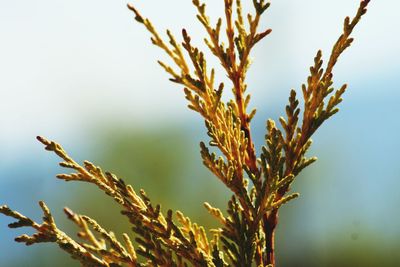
(157, 232)
(297, 139)
(247, 233)
(48, 232)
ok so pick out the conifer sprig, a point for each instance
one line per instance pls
(260, 186)
(48, 232)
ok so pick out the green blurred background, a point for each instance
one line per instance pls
(84, 74)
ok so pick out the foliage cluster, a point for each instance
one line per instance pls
(260, 185)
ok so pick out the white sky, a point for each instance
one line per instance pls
(66, 65)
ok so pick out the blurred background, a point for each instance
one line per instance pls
(85, 74)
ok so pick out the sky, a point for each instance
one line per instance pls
(65, 64)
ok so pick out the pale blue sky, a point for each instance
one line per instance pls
(66, 63)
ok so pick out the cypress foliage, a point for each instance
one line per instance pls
(260, 184)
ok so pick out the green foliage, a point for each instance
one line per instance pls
(260, 185)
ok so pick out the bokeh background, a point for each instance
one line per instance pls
(85, 74)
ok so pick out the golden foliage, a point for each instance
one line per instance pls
(260, 185)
